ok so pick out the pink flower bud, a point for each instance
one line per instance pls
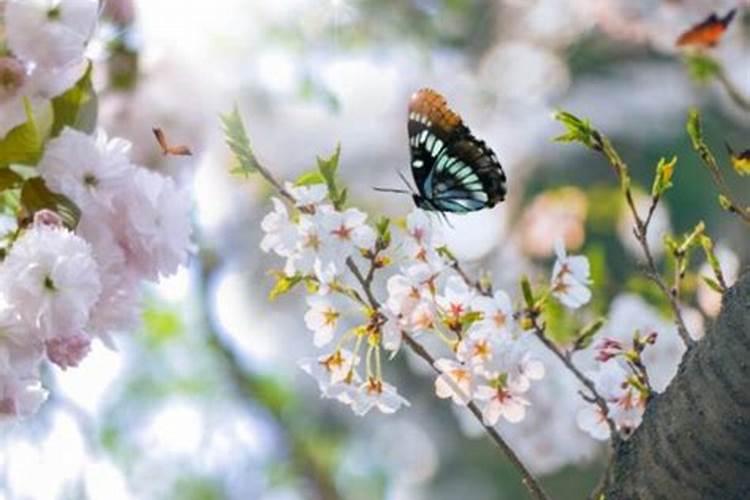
(12, 77)
(66, 351)
(47, 218)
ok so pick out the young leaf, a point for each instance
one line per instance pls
(663, 178)
(713, 284)
(694, 129)
(702, 68)
(22, 144)
(284, 284)
(310, 178)
(528, 295)
(36, 196)
(383, 229)
(77, 107)
(237, 140)
(9, 179)
(586, 336)
(328, 168)
(578, 130)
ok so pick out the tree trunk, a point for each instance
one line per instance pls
(694, 441)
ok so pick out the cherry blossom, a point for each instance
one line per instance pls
(570, 278)
(376, 393)
(322, 319)
(501, 401)
(281, 233)
(497, 313)
(307, 197)
(455, 381)
(335, 374)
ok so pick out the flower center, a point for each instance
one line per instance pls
(90, 180)
(330, 316)
(343, 232)
(49, 284)
(54, 13)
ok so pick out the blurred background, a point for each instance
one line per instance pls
(205, 400)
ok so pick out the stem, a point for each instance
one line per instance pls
(532, 484)
(641, 231)
(539, 331)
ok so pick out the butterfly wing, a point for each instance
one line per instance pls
(454, 171)
(707, 33)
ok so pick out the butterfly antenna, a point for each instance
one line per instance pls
(406, 181)
(391, 190)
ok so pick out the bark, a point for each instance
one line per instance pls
(694, 441)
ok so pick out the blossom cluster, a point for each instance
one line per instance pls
(66, 280)
(491, 362)
(622, 380)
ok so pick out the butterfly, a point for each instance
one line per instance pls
(707, 33)
(740, 161)
(166, 149)
(453, 170)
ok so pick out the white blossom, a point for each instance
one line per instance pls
(497, 313)
(378, 394)
(346, 231)
(307, 197)
(321, 318)
(570, 278)
(455, 381)
(496, 402)
(281, 232)
(52, 280)
(51, 33)
(335, 374)
(153, 220)
(90, 170)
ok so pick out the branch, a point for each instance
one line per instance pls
(641, 231)
(596, 398)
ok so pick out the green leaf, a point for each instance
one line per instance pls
(702, 68)
(35, 196)
(23, 144)
(578, 130)
(713, 284)
(725, 204)
(695, 129)
(663, 178)
(586, 336)
(310, 178)
(284, 284)
(383, 229)
(77, 107)
(237, 140)
(162, 326)
(328, 168)
(9, 179)
(528, 295)
(470, 318)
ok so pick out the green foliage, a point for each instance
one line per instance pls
(695, 129)
(196, 488)
(162, 326)
(236, 138)
(23, 144)
(310, 178)
(701, 67)
(578, 130)
(528, 294)
(270, 392)
(285, 284)
(663, 177)
(328, 169)
(383, 229)
(77, 107)
(9, 179)
(586, 335)
(36, 196)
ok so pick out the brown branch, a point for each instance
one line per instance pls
(596, 398)
(641, 232)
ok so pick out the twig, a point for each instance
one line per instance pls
(596, 398)
(531, 483)
(641, 231)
